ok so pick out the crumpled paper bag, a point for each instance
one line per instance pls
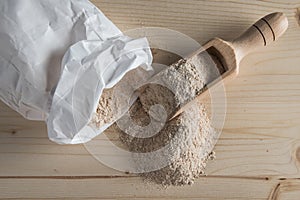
(56, 57)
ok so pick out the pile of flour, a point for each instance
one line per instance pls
(171, 152)
(177, 151)
(187, 142)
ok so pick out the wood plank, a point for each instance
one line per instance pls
(201, 20)
(242, 150)
(134, 188)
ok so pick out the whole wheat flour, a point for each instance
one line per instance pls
(114, 102)
(183, 145)
(171, 88)
(188, 141)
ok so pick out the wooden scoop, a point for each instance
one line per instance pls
(228, 54)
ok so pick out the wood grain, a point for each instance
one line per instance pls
(258, 154)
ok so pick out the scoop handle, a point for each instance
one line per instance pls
(265, 31)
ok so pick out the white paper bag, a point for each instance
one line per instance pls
(56, 57)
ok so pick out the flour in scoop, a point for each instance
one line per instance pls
(172, 88)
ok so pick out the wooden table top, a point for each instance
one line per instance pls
(258, 154)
